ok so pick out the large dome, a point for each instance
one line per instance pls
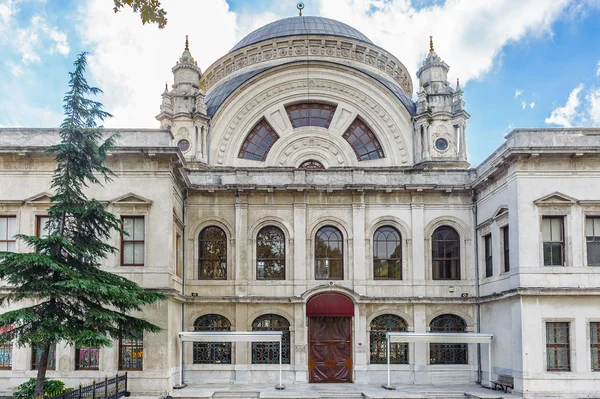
(297, 26)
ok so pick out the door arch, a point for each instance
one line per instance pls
(330, 338)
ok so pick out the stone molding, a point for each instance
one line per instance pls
(303, 48)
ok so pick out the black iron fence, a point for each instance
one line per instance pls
(110, 388)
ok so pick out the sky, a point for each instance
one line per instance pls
(521, 63)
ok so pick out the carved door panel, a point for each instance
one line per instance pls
(330, 349)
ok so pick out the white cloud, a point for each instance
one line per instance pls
(523, 104)
(469, 35)
(593, 98)
(532, 104)
(15, 69)
(518, 93)
(568, 114)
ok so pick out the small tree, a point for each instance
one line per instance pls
(64, 295)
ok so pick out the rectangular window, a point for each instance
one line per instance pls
(86, 358)
(6, 356)
(8, 229)
(36, 355)
(554, 241)
(592, 237)
(595, 345)
(489, 264)
(41, 230)
(558, 350)
(505, 244)
(131, 353)
(132, 241)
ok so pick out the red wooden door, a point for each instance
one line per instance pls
(330, 349)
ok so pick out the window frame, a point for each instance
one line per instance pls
(505, 234)
(78, 356)
(595, 238)
(446, 347)
(51, 364)
(281, 259)
(286, 352)
(254, 156)
(594, 346)
(201, 258)
(125, 239)
(459, 260)
(358, 122)
(139, 343)
(488, 255)
(6, 348)
(374, 258)
(378, 339)
(310, 106)
(555, 345)
(340, 259)
(562, 242)
(13, 241)
(226, 347)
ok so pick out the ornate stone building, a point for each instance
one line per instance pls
(296, 186)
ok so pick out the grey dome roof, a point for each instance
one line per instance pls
(295, 26)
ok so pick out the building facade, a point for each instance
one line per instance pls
(295, 185)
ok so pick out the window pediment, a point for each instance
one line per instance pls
(554, 199)
(130, 199)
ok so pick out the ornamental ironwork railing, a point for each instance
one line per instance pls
(110, 388)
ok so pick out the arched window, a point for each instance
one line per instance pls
(268, 352)
(311, 164)
(387, 253)
(212, 352)
(445, 245)
(447, 353)
(258, 142)
(212, 257)
(378, 342)
(270, 254)
(329, 254)
(310, 114)
(363, 141)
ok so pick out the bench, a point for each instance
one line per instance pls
(504, 381)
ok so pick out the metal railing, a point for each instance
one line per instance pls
(110, 388)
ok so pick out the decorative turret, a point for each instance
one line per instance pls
(441, 118)
(183, 109)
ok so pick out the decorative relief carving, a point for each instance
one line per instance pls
(347, 90)
(183, 132)
(338, 48)
(310, 143)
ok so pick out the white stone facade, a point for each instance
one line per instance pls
(416, 187)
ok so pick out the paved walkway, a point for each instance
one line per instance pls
(338, 391)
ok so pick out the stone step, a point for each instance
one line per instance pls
(341, 395)
(236, 395)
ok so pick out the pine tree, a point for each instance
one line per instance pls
(64, 295)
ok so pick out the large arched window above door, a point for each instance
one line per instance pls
(440, 353)
(268, 352)
(212, 352)
(259, 141)
(329, 254)
(363, 141)
(270, 254)
(310, 114)
(445, 256)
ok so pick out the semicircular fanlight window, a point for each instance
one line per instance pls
(310, 114)
(363, 141)
(258, 142)
(311, 164)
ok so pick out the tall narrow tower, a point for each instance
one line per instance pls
(440, 122)
(183, 108)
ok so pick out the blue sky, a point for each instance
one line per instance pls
(522, 63)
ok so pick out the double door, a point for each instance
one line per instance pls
(330, 349)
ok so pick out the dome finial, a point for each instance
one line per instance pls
(300, 7)
(430, 43)
(187, 47)
(457, 83)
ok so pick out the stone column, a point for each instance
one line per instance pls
(242, 259)
(463, 143)
(420, 350)
(357, 270)
(242, 350)
(426, 144)
(300, 342)
(299, 265)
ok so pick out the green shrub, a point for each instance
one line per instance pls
(27, 389)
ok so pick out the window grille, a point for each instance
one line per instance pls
(592, 238)
(310, 114)
(212, 352)
(86, 358)
(212, 259)
(270, 254)
(363, 141)
(6, 351)
(329, 263)
(268, 352)
(441, 353)
(387, 254)
(133, 241)
(131, 353)
(554, 242)
(378, 342)
(259, 141)
(557, 346)
(311, 164)
(446, 254)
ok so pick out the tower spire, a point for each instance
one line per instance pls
(187, 47)
(430, 43)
